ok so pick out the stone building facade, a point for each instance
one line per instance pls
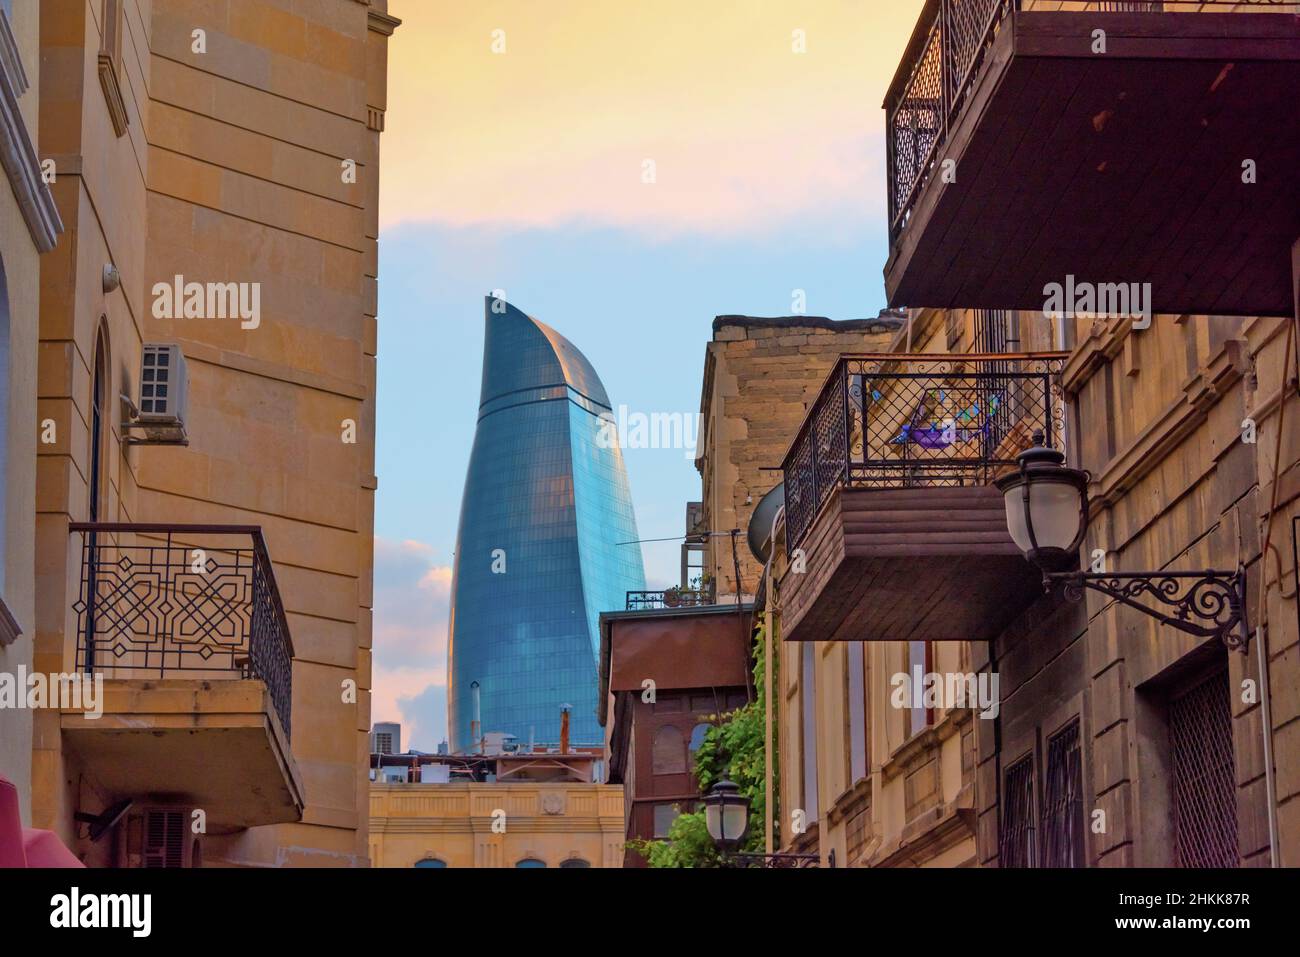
(223, 149)
(760, 374)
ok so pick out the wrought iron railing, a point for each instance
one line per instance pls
(182, 601)
(669, 598)
(943, 61)
(901, 421)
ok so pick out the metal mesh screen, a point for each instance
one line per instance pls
(1063, 835)
(1204, 786)
(1016, 841)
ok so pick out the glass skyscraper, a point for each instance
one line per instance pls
(541, 549)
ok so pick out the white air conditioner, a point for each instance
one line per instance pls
(166, 839)
(160, 414)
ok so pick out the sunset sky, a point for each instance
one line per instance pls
(524, 170)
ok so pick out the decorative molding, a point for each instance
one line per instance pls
(9, 629)
(382, 23)
(11, 63)
(23, 168)
(113, 94)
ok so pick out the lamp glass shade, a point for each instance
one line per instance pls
(726, 815)
(1055, 511)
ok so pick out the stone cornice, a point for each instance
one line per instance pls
(22, 167)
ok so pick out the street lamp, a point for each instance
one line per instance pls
(726, 815)
(1047, 516)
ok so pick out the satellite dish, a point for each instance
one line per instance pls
(760, 523)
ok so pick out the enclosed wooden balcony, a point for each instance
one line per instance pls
(1031, 141)
(185, 626)
(893, 530)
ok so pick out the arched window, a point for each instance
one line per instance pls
(430, 862)
(574, 862)
(530, 862)
(668, 752)
(697, 738)
(99, 405)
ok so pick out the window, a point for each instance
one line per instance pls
(98, 407)
(697, 738)
(668, 751)
(919, 658)
(1016, 840)
(855, 690)
(574, 862)
(110, 63)
(530, 862)
(808, 700)
(383, 742)
(1204, 779)
(665, 814)
(430, 862)
(1063, 834)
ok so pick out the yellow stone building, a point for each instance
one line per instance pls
(519, 810)
(29, 226)
(204, 498)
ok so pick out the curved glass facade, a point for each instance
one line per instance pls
(538, 554)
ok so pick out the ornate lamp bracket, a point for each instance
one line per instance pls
(1205, 604)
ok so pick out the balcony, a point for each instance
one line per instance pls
(186, 627)
(669, 598)
(1019, 153)
(893, 530)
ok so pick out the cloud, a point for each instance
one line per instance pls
(744, 134)
(412, 603)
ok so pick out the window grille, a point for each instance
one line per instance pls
(1016, 843)
(1204, 779)
(1063, 824)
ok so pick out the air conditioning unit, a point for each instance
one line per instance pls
(160, 414)
(166, 839)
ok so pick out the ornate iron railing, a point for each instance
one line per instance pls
(669, 598)
(182, 601)
(902, 421)
(943, 60)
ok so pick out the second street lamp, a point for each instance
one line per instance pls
(1047, 516)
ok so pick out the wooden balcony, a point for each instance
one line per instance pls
(893, 529)
(1020, 155)
(184, 625)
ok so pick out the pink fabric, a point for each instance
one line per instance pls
(27, 846)
(44, 849)
(11, 827)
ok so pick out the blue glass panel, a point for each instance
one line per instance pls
(539, 553)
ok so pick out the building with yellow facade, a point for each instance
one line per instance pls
(510, 809)
(205, 385)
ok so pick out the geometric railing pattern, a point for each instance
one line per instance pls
(901, 420)
(193, 601)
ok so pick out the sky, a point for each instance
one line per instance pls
(624, 172)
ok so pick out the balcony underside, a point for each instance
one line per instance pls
(920, 564)
(215, 745)
(1117, 167)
